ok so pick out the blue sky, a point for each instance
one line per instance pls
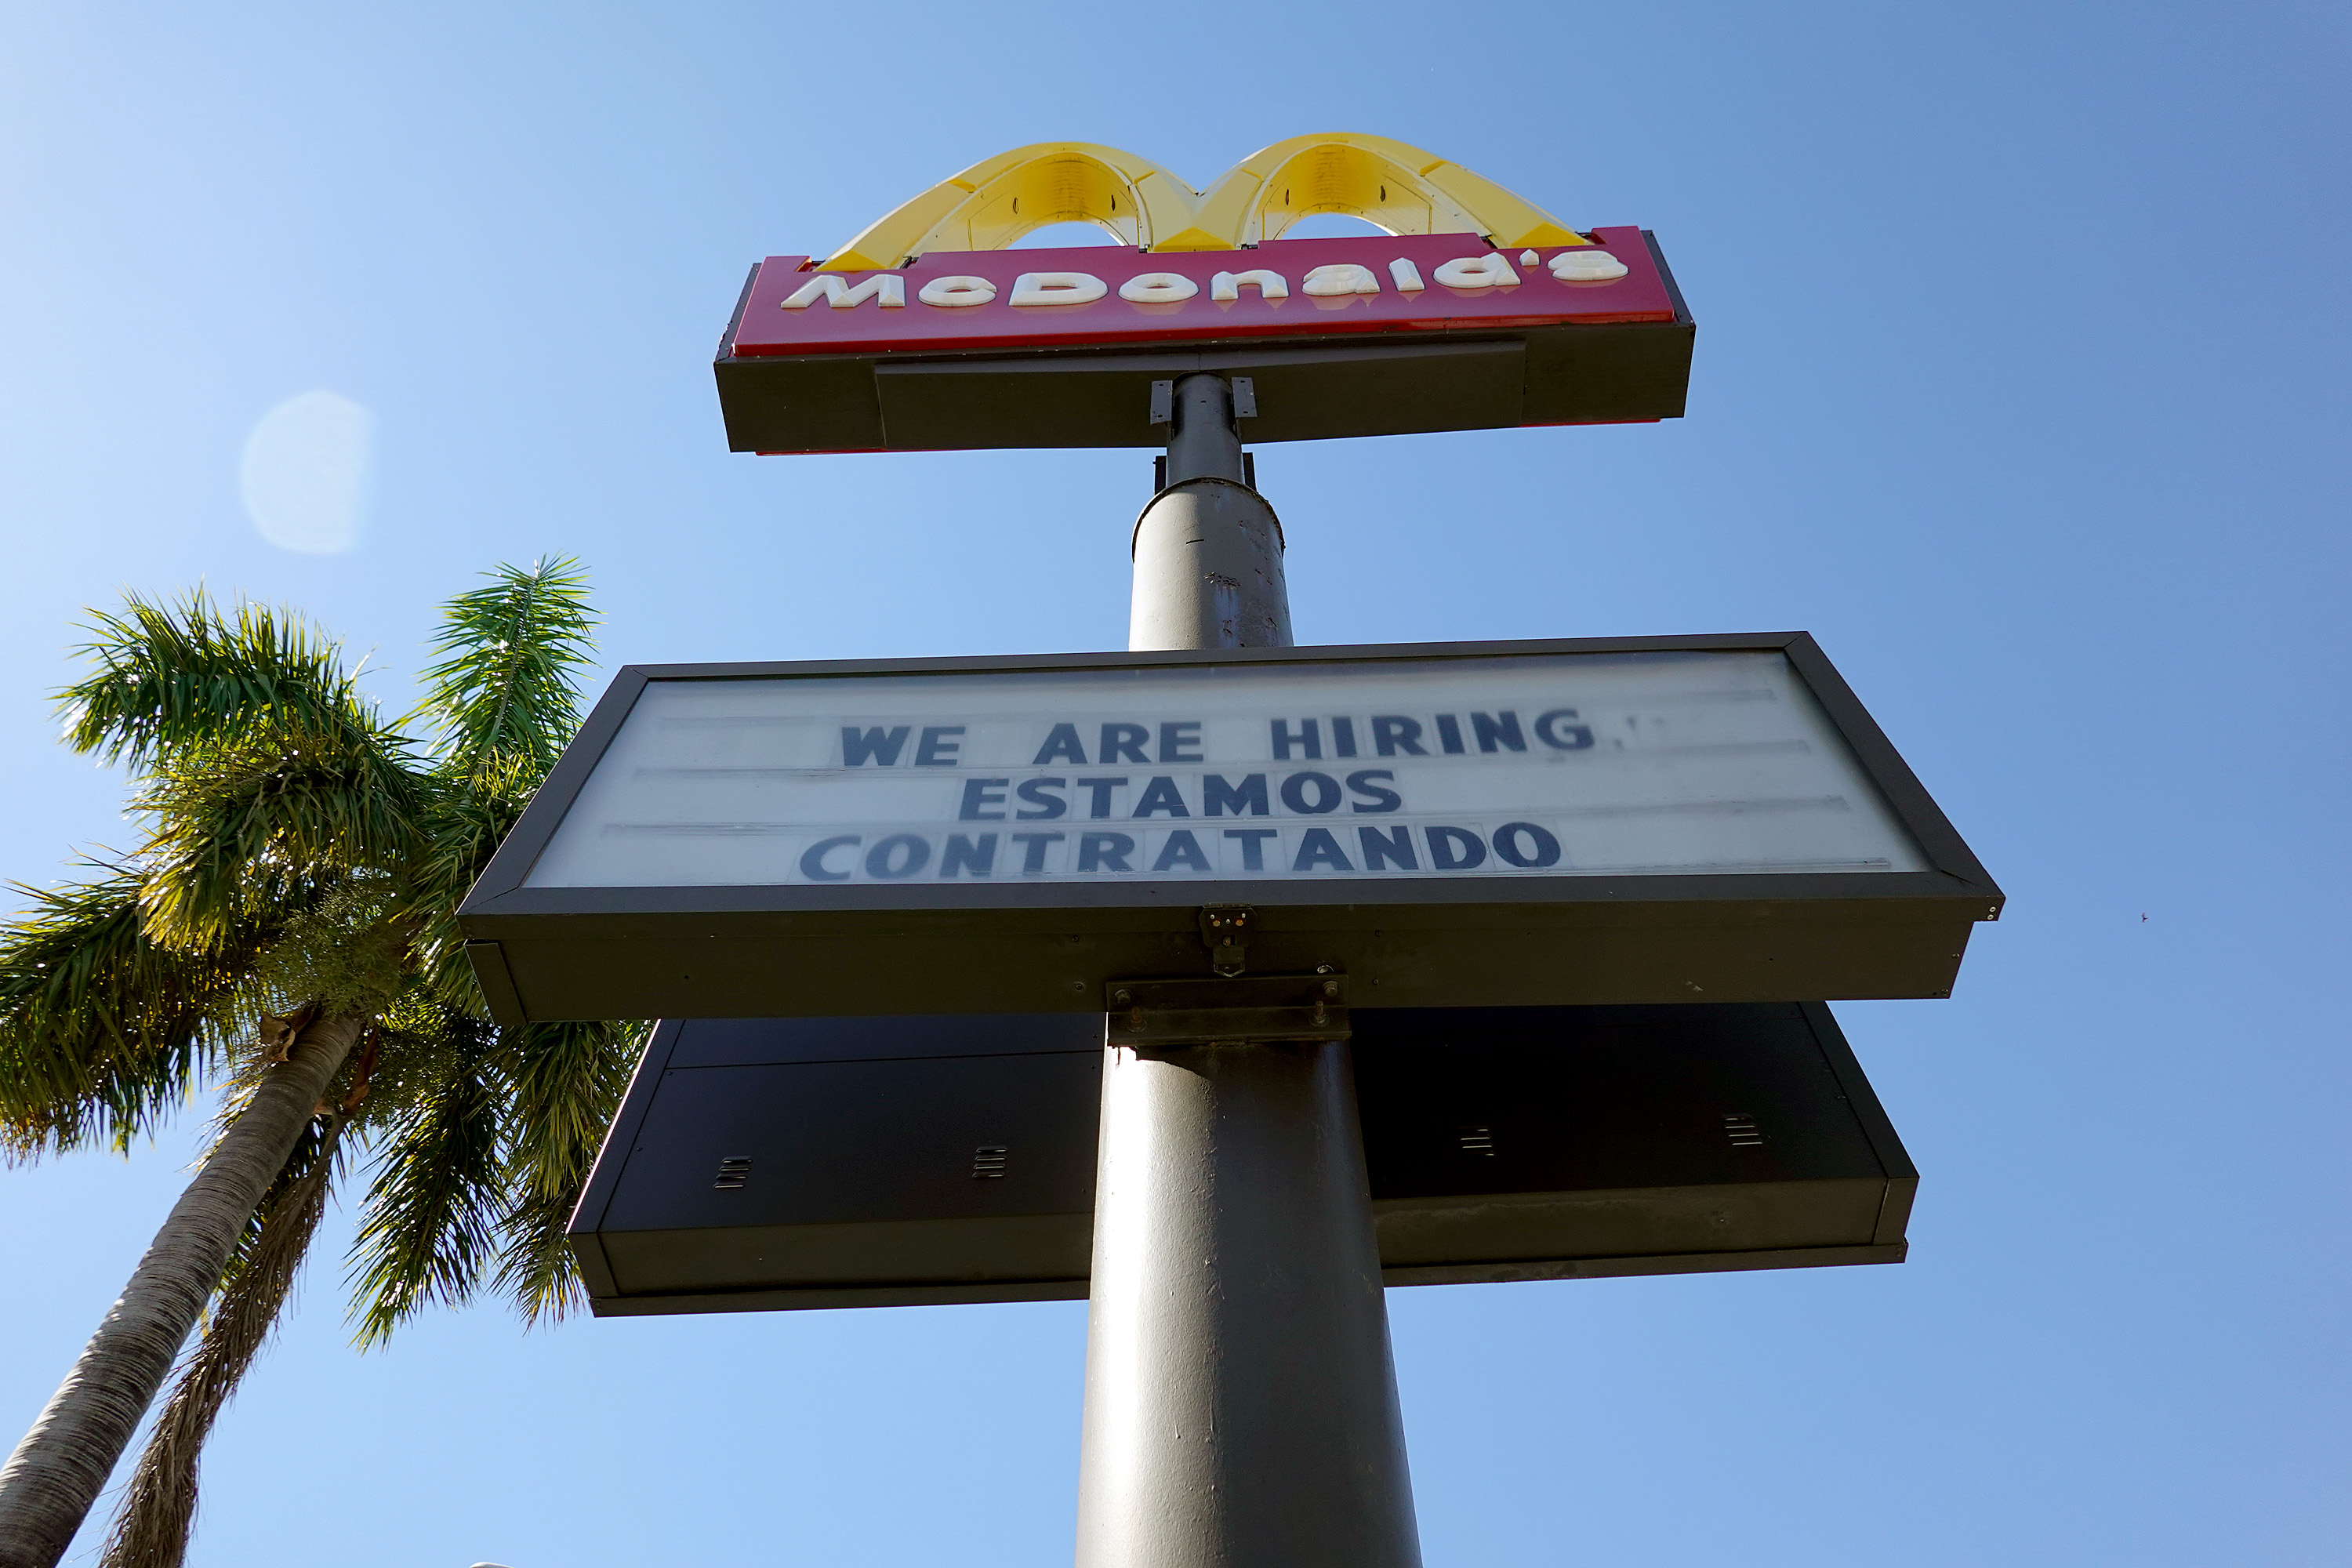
(2018, 383)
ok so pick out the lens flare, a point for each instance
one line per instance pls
(304, 473)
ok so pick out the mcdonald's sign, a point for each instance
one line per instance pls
(1473, 310)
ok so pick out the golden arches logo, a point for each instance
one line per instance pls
(1403, 188)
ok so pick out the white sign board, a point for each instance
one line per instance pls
(1640, 763)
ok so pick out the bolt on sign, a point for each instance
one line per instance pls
(1477, 310)
(1674, 819)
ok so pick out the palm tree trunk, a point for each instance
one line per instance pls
(158, 1512)
(52, 1480)
(158, 1501)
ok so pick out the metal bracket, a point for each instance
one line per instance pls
(1225, 928)
(1261, 1009)
(1245, 396)
(1164, 404)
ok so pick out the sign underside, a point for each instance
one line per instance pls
(766, 1164)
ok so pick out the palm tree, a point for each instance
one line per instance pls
(287, 930)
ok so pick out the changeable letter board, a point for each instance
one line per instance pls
(1674, 819)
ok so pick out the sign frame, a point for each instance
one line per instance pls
(753, 950)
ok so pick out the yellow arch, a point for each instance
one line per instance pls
(1403, 188)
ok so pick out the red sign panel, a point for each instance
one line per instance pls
(1285, 288)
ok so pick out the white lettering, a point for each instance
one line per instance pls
(1594, 266)
(1406, 276)
(887, 288)
(953, 293)
(1476, 272)
(1227, 286)
(1341, 278)
(1058, 288)
(1158, 289)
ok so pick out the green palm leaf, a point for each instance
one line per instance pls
(567, 1080)
(431, 1218)
(169, 676)
(270, 823)
(104, 1031)
(466, 820)
(503, 693)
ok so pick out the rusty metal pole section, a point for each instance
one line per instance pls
(1241, 1402)
(1207, 550)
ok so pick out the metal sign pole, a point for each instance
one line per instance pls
(1241, 1404)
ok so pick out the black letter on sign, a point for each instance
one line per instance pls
(1061, 746)
(1455, 850)
(1382, 849)
(871, 746)
(1541, 849)
(1449, 734)
(1049, 805)
(1502, 727)
(1123, 743)
(963, 855)
(979, 793)
(1393, 732)
(1161, 795)
(1033, 859)
(813, 859)
(1173, 740)
(935, 750)
(1577, 738)
(1317, 848)
(1309, 740)
(1253, 846)
(918, 851)
(1221, 799)
(1105, 852)
(1361, 781)
(1181, 850)
(1325, 788)
(1343, 737)
(1101, 789)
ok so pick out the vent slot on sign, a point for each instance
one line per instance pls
(988, 1162)
(1479, 1141)
(733, 1172)
(1743, 1132)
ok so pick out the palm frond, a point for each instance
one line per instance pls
(174, 675)
(158, 1509)
(270, 823)
(102, 1029)
(465, 823)
(502, 691)
(417, 1048)
(567, 1083)
(433, 1210)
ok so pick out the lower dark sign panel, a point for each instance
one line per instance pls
(766, 1164)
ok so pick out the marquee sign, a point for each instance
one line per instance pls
(1477, 311)
(1645, 820)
